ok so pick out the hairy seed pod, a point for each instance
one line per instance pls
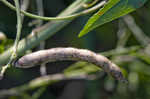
(60, 54)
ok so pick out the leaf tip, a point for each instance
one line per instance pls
(82, 33)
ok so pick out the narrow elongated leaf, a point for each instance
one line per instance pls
(96, 16)
(111, 11)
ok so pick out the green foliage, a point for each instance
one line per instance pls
(111, 11)
(5, 44)
(132, 57)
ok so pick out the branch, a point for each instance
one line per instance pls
(42, 81)
(136, 30)
(123, 34)
(24, 6)
(39, 4)
(60, 17)
(60, 54)
(19, 25)
(15, 47)
(42, 33)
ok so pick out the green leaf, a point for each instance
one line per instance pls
(96, 16)
(111, 11)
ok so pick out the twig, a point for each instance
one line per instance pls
(89, 4)
(42, 81)
(120, 51)
(57, 18)
(42, 33)
(40, 9)
(15, 47)
(24, 7)
(59, 54)
(38, 93)
(136, 30)
(123, 34)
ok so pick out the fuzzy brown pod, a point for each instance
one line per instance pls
(60, 54)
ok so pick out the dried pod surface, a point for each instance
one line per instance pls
(60, 54)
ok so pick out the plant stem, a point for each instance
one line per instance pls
(39, 4)
(56, 18)
(19, 27)
(42, 82)
(41, 33)
(139, 34)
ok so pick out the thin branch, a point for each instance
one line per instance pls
(40, 9)
(90, 10)
(121, 51)
(42, 81)
(24, 7)
(19, 25)
(15, 47)
(60, 54)
(38, 93)
(89, 4)
(123, 34)
(136, 30)
(42, 33)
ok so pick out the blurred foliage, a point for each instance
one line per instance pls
(109, 39)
